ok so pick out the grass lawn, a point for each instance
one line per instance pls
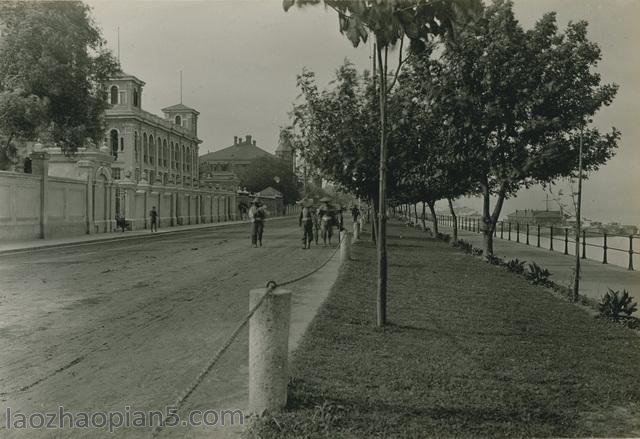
(471, 350)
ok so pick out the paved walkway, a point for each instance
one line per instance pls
(596, 277)
(69, 241)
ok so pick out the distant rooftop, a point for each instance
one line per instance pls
(180, 108)
(241, 150)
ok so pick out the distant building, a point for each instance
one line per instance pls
(285, 151)
(234, 158)
(537, 217)
(158, 150)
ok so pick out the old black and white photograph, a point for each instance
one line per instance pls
(283, 219)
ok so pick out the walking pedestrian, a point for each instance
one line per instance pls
(355, 213)
(257, 216)
(121, 221)
(153, 215)
(316, 224)
(306, 222)
(326, 220)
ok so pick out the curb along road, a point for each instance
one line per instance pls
(91, 241)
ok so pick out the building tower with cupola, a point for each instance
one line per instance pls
(146, 147)
(285, 151)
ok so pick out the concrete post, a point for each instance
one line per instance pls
(268, 350)
(356, 231)
(40, 166)
(345, 246)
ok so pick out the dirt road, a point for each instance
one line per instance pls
(127, 326)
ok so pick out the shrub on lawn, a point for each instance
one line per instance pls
(613, 304)
(516, 266)
(444, 237)
(477, 251)
(495, 260)
(464, 245)
(537, 275)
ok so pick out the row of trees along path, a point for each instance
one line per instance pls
(475, 105)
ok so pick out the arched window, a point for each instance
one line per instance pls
(114, 95)
(178, 120)
(166, 153)
(145, 147)
(114, 142)
(152, 150)
(136, 150)
(135, 98)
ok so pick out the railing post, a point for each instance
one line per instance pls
(584, 244)
(269, 350)
(604, 249)
(509, 230)
(527, 233)
(566, 241)
(538, 227)
(501, 229)
(551, 238)
(631, 252)
(518, 231)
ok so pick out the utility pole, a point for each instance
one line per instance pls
(576, 280)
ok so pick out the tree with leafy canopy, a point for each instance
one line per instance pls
(335, 130)
(21, 116)
(54, 66)
(271, 171)
(431, 167)
(390, 22)
(516, 101)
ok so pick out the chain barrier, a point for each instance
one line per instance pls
(271, 286)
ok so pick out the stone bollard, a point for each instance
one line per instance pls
(268, 351)
(345, 246)
(356, 231)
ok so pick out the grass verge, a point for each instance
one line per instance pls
(471, 350)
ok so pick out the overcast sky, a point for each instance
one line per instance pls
(240, 59)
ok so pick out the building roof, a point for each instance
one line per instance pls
(240, 151)
(122, 76)
(270, 192)
(180, 108)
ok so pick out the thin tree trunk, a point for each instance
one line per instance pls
(415, 212)
(382, 195)
(489, 220)
(576, 279)
(455, 220)
(424, 214)
(374, 224)
(434, 218)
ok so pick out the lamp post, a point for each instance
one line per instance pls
(576, 280)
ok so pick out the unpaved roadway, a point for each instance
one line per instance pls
(128, 325)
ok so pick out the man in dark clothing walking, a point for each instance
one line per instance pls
(306, 222)
(153, 215)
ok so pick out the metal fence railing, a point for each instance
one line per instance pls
(617, 249)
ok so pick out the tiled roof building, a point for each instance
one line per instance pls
(234, 158)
